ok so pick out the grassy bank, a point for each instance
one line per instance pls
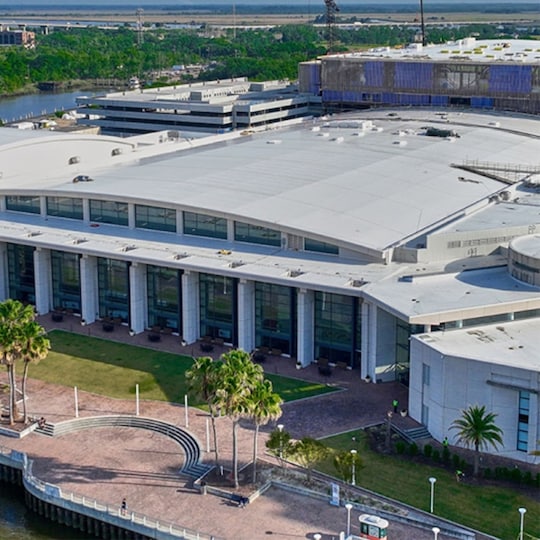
(113, 369)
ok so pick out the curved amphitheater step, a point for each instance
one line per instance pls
(192, 452)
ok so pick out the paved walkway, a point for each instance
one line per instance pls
(108, 464)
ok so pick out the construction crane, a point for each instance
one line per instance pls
(331, 10)
(422, 23)
(140, 36)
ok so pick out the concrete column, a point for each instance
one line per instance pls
(366, 346)
(190, 307)
(138, 298)
(131, 216)
(246, 315)
(427, 328)
(305, 344)
(371, 363)
(43, 206)
(42, 280)
(4, 273)
(230, 230)
(89, 289)
(86, 210)
(2, 204)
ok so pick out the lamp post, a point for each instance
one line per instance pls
(317, 536)
(521, 511)
(432, 481)
(348, 506)
(436, 532)
(280, 429)
(353, 467)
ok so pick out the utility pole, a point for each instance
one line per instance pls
(424, 42)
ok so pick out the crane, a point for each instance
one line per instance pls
(331, 10)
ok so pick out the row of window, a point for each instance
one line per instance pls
(158, 219)
(337, 318)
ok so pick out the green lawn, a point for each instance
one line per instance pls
(492, 510)
(113, 369)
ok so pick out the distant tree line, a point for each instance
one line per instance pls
(93, 53)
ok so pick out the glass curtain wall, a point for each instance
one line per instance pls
(164, 297)
(337, 328)
(218, 296)
(158, 219)
(275, 317)
(66, 281)
(404, 331)
(65, 207)
(21, 278)
(113, 286)
(23, 203)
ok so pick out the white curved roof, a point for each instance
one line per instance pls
(365, 192)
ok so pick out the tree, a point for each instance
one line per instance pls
(344, 463)
(308, 451)
(204, 382)
(34, 347)
(279, 444)
(477, 428)
(239, 376)
(14, 316)
(265, 406)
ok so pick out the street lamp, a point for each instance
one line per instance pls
(280, 429)
(432, 481)
(317, 536)
(436, 532)
(521, 511)
(348, 506)
(353, 467)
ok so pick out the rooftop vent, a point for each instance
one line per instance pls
(33, 233)
(116, 151)
(357, 282)
(74, 160)
(236, 264)
(294, 273)
(180, 256)
(77, 241)
(130, 247)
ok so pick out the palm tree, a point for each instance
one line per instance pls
(13, 316)
(477, 428)
(34, 347)
(265, 406)
(203, 379)
(239, 376)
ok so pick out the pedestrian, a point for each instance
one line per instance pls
(445, 442)
(459, 475)
(395, 404)
(123, 506)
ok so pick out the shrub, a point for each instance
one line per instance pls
(488, 473)
(400, 447)
(446, 454)
(528, 478)
(456, 461)
(436, 456)
(428, 450)
(413, 449)
(515, 475)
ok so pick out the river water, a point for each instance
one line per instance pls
(21, 107)
(19, 523)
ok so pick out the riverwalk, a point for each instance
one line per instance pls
(109, 464)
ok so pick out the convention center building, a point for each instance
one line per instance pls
(403, 244)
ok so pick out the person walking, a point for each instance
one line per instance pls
(123, 506)
(395, 404)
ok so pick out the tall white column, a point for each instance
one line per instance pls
(4, 273)
(89, 289)
(131, 216)
(372, 341)
(230, 230)
(246, 315)
(190, 306)
(137, 297)
(42, 280)
(364, 366)
(86, 210)
(305, 343)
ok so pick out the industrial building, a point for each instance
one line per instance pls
(22, 38)
(481, 74)
(215, 107)
(392, 242)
